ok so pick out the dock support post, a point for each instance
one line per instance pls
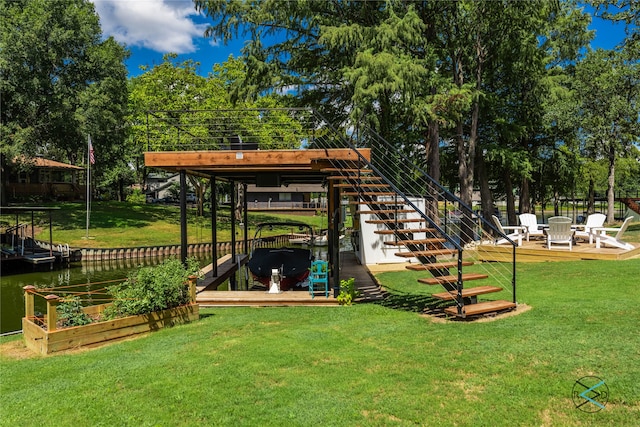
(214, 226)
(183, 216)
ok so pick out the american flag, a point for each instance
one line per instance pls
(92, 158)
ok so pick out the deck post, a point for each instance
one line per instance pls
(232, 278)
(214, 226)
(52, 313)
(29, 310)
(192, 287)
(334, 236)
(183, 216)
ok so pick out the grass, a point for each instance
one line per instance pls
(368, 364)
(121, 224)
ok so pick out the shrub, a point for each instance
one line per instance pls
(136, 197)
(152, 289)
(70, 312)
(348, 291)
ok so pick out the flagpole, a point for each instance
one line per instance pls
(88, 181)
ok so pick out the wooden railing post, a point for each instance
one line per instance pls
(29, 310)
(52, 313)
(192, 288)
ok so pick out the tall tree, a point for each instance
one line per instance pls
(59, 81)
(608, 84)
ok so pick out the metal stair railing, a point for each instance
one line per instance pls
(395, 164)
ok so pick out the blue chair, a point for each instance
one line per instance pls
(319, 278)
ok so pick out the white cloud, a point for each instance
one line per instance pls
(160, 25)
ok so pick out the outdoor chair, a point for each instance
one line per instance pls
(516, 232)
(532, 228)
(559, 231)
(319, 278)
(584, 230)
(616, 240)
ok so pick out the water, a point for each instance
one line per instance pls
(12, 294)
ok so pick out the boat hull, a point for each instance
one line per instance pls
(294, 264)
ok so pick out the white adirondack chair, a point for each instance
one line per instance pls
(532, 228)
(516, 233)
(615, 240)
(560, 232)
(584, 230)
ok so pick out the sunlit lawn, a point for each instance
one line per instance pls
(368, 364)
(114, 224)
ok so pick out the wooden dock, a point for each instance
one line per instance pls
(365, 283)
(536, 251)
(226, 268)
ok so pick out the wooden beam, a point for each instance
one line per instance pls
(248, 159)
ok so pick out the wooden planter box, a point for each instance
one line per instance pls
(50, 339)
(43, 341)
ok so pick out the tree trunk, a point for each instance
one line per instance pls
(591, 203)
(432, 151)
(611, 184)
(525, 197)
(486, 198)
(511, 200)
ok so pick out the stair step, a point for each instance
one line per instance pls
(368, 193)
(394, 221)
(405, 231)
(434, 252)
(437, 266)
(387, 211)
(361, 185)
(481, 308)
(355, 179)
(467, 292)
(346, 171)
(442, 280)
(378, 202)
(414, 242)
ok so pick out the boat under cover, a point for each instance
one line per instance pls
(293, 264)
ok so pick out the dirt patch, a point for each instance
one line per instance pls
(17, 350)
(438, 317)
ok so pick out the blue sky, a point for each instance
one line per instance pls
(152, 28)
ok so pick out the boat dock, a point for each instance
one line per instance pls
(350, 267)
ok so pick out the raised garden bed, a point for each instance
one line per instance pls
(43, 336)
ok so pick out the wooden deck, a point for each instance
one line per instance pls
(364, 281)
(536, 251)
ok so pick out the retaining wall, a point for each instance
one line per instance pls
(96, 254)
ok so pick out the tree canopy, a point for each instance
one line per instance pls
(60, 81)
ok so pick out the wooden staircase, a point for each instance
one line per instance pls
(389, 208)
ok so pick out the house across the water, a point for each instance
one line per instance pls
(44, 179)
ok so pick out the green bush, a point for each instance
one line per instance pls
(348, 291)
(152, 289)
(136, 197)
(70, 313)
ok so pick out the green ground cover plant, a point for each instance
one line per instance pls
(366, 364)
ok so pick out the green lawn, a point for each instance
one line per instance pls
(116, 224)
(368, 364)
(120, 224)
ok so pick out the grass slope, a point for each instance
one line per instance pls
(369, 364)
